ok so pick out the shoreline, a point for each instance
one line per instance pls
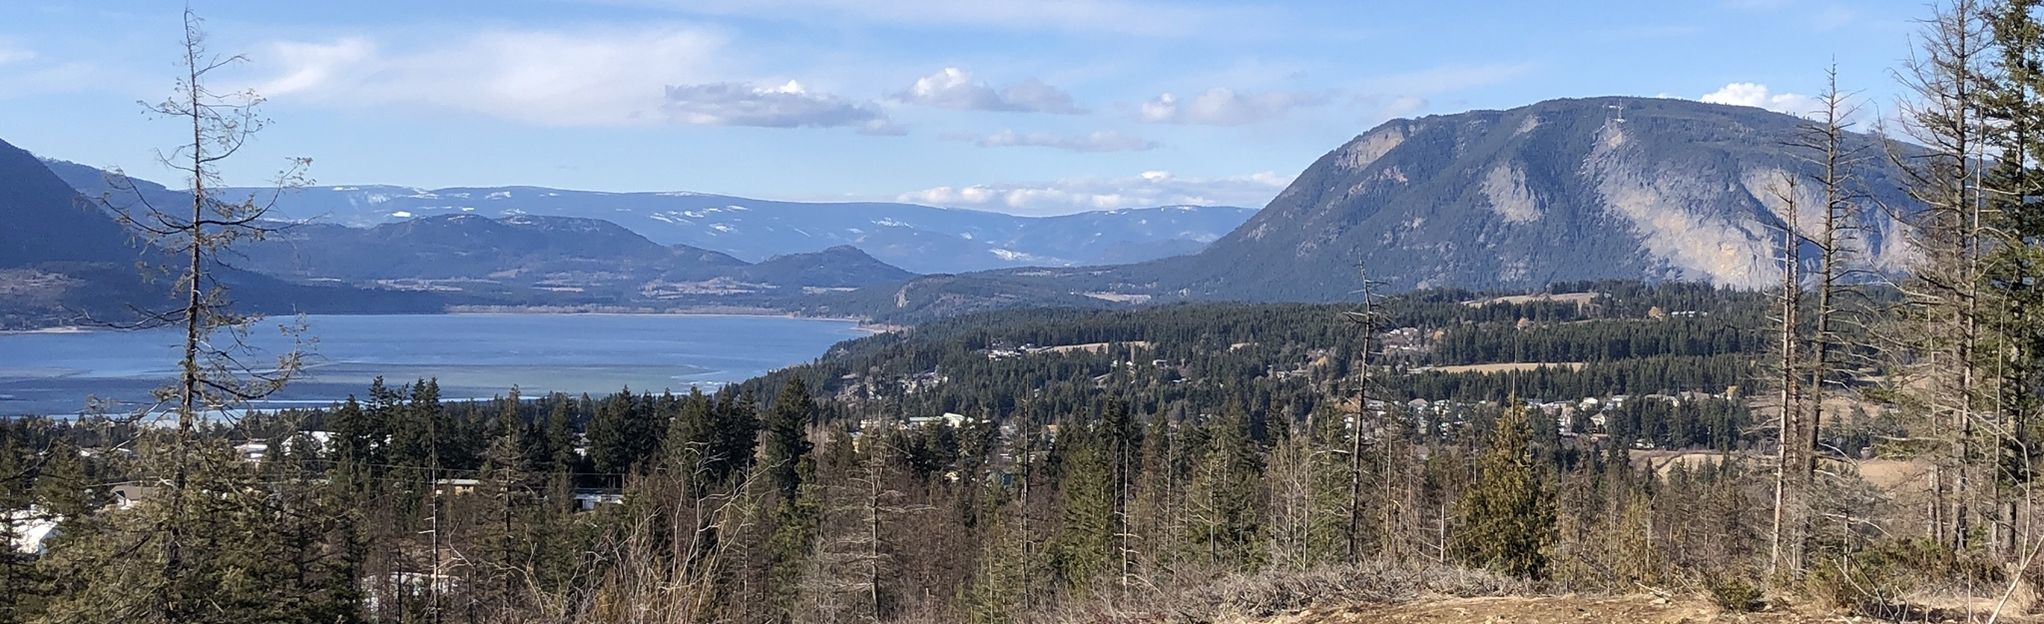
(860, 324)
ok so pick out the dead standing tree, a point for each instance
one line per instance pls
(217, 368)
(1812, 364)
(1938, 330)
(1365, 318)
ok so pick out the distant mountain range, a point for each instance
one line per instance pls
(539, 260)
(918, 238)
(1512, 200)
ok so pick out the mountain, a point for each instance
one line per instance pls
(542, 260)
(839, 267)
(922, 239)
(1559, 191)
(66, 260)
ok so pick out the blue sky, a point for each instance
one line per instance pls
(1022, 106)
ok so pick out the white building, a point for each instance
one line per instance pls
(32, 529)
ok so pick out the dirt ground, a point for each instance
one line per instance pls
(1643, 609)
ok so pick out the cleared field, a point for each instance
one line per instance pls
(1505, 367)
(1580, 299)
(1096, 347)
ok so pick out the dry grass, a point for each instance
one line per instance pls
(1571, 609)
(1262, 596)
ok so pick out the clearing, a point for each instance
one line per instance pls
(1580, 299)
(1504, 367)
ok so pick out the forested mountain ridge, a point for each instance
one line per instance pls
(539, 260)
(922, 239)
(65, 260)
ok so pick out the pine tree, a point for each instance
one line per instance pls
(1085, 535)
(1507, 514)
(1224, 518)
(787, 444)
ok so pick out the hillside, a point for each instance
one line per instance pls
(922, 239)
(65, 260)
(539, 260)
(1563, 190)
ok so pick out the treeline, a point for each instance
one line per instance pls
(732, 509)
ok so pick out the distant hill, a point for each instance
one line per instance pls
(64, 260)
(540, 260)
(918, 238)
(843, 266)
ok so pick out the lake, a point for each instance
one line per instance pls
(472, 355)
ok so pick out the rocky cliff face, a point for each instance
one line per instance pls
(1557, 191)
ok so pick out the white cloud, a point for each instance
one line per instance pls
(23, 73)
(9, 55)
(1100, 141)
(1149, 188)
(1759, 96)
(1119, 17)
(955, 88)
(1224, 107)
(555, 77)
(785, 106)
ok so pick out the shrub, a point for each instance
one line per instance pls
(1735, 594)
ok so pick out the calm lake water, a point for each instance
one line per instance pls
(473, 355)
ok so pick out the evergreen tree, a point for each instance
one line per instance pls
(1507, 514)
(1224, 522)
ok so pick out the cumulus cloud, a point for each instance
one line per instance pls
(1148, 188)
(1759, 96)
(1100, 141)
(1224, 107)
(955, 88)
(556, 77)
(785, 106)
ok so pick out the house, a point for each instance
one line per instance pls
(32, 529)
(950, 419)
(128, 495)
(456, 487)
(252, 451)
(587, 499)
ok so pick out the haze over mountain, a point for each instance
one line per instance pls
(1562, 190)
(919, 238)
